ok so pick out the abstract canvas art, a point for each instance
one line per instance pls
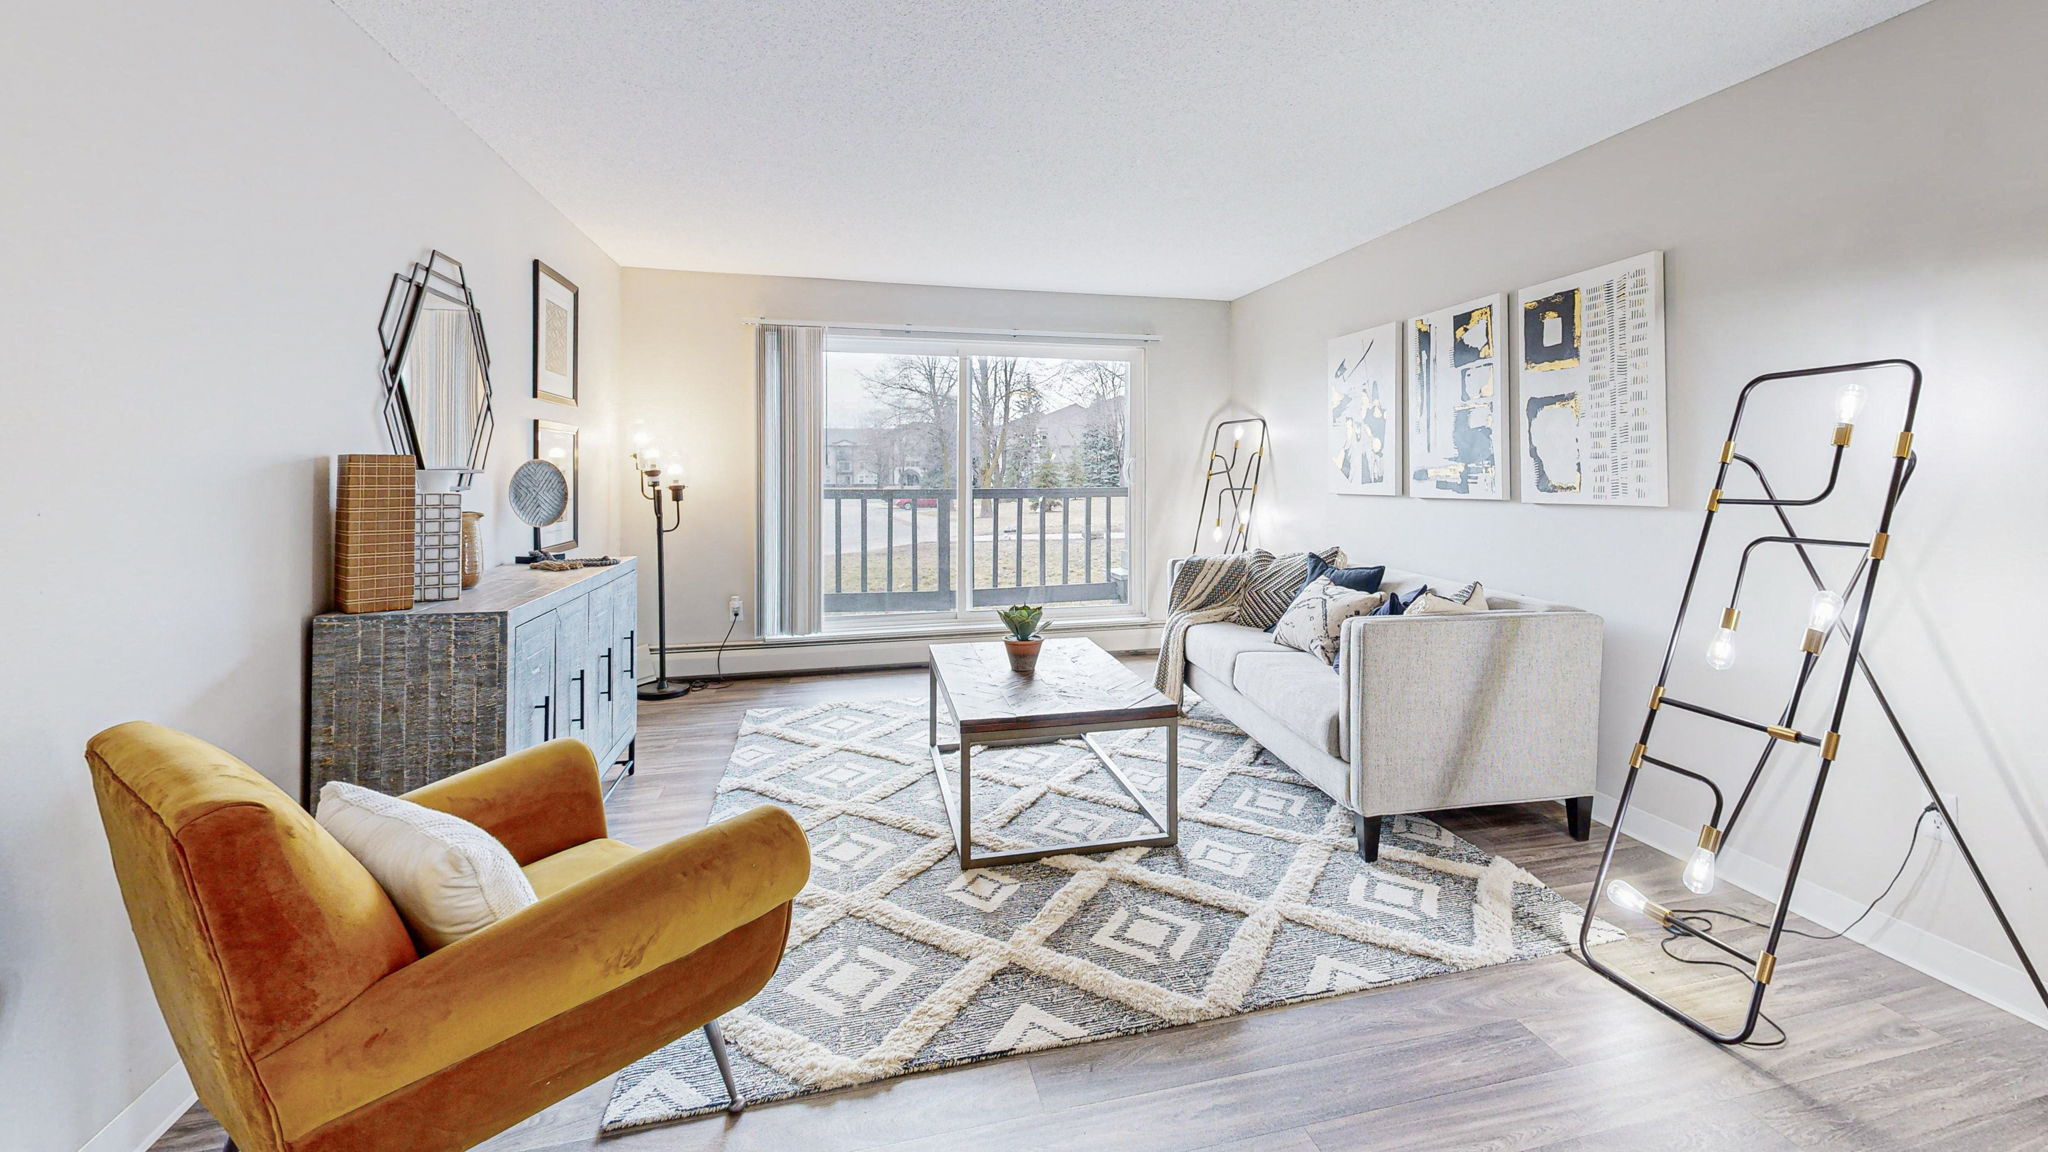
(1592, 410)
(1365, 412)
(1457, 389)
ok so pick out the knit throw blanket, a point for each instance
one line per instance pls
(1207, 589)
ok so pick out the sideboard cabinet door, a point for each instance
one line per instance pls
(534, 715)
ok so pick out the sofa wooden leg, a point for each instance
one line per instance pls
(1368, 830)
(1578, 817)
(712, 1033)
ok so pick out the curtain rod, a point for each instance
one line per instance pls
(997, 333)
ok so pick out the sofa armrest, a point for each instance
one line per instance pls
(1489, 708)
(571, 948)
(537, 802)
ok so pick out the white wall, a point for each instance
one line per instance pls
(1886, 196)
(689, 370)
(201, 211)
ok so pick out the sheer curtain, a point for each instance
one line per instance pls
(790, 360)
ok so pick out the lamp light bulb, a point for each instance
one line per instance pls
(1824, 611)
(1721, 650)
(1238, 436)
(1624, 895)
(1244, 515)
(1699, 871)
(1216, 533)
(1849, 402)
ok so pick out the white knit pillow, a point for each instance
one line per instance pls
(447, 877)
(1315, 621)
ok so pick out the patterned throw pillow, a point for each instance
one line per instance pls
(1469, 599)
(1271, 583)
(1315, 621)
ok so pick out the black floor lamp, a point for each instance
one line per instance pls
(648, 463)
(1829, 616)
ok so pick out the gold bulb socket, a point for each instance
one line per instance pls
(1814, 639)
(1730, 617)
(1710, 838)
(1656, 911)
(1842, 434)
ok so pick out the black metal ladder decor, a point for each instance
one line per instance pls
(1826, 619)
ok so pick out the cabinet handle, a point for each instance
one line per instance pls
(579, 719)
(547, 718)
(608, 677)
(632, 657)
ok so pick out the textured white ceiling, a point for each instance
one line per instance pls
(1174, 148)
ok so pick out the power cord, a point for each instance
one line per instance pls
(717, 679)
(1700, 918)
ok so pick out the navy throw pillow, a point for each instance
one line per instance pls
(1360, 579)
(1397, 604)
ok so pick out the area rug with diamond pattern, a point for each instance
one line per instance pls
(899, 962)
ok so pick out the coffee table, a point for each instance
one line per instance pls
(1078, 690)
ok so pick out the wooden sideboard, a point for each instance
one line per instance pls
(401, 699)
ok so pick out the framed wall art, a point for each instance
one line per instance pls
(1457, 401)
(556, 336)
(1592, 409)
(558, 444)
(1364, 395)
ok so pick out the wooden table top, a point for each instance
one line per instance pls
(1076, 683)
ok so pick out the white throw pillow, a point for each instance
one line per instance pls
(447, 877)
(1314, 623)
(1469, 599)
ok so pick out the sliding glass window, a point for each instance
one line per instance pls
(960, 477)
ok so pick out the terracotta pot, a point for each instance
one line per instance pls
(1023, 655)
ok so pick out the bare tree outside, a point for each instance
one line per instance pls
(1033, 424)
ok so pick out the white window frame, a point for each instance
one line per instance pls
(964, 616)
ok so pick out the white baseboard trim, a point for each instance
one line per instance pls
(830, 654)
(149, 1117)
(2001, 984)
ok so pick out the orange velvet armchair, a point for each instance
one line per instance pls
(307, 1017)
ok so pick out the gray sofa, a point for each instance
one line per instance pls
(1422, 712)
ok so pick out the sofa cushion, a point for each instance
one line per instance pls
(1215, 648)
(570, 866)
(1365, 578)
(1296, 689)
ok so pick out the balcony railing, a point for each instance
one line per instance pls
(891, 549)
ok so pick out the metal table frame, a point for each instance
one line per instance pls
(960, 809)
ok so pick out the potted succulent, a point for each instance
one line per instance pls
(1023, 642)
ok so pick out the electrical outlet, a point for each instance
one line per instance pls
(1937, 828)
(735, 607)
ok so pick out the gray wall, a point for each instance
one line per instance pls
(1885, 196)
(202, 210)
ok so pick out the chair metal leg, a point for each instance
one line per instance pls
(718, 1053)
(1368, 831)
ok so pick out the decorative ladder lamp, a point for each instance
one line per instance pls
(652, 469)
(1825, 619)
(1228, 516)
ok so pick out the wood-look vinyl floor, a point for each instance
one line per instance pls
(1543, 1055)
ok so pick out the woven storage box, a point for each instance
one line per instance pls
(374, 510)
